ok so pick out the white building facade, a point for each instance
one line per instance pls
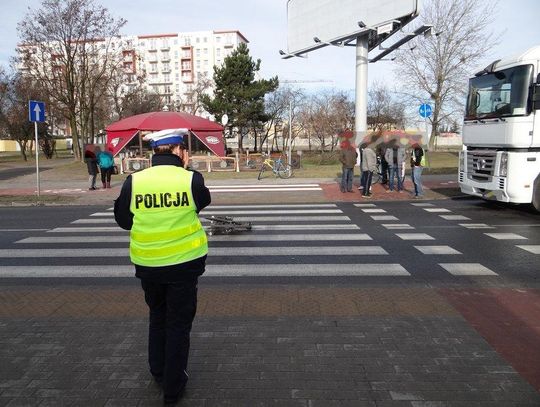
(172, 64)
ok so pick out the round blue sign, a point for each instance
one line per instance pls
(425, 110)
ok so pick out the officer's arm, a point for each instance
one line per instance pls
(201, 194)
(122, 213)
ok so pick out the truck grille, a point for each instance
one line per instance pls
(481, 165)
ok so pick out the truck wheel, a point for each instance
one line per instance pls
(536, 194)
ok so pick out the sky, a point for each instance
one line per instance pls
(264, 24)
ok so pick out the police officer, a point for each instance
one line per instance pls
(168, 245)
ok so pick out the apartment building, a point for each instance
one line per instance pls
(173, 63)
(170, 64)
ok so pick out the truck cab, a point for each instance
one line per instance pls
(500, 159)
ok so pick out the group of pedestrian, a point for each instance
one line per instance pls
(388, 159)
(99, 161)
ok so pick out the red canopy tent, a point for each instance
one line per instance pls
(207, 131)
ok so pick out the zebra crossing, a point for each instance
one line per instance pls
(287, 240)
(456, 269)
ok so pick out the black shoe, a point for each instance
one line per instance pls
(172, 400)
(158, 379)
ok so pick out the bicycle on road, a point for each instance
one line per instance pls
(278, 167)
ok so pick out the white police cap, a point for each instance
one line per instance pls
(168, 136)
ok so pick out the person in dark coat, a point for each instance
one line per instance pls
(92, 165)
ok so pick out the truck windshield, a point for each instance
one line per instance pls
(499, 94)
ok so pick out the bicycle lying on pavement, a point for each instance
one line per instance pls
(278, 167)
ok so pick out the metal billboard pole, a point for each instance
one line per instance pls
(360, 122)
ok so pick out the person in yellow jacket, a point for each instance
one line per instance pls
(168, 246)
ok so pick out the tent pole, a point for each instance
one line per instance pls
(140, 145)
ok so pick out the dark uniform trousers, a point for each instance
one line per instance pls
(172, 310)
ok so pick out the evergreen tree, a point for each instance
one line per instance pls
(238, 94)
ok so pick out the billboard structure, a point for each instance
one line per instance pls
(364, 24)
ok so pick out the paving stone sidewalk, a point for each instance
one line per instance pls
(253, 345)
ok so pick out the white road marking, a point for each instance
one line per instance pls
(437, 210)
(437, 250)
(414, 236)
(384, 217)
(243, 219)
(258, 186)
(365, 205)
(422, 204)
(281, 189)
(22, 230)
(476, 226)
(454, 217)
(214, 270)
(271, 206)
(373, 211)
(506, 236)
(100, 229)
(215, 251)
(534, 249)
(269, 212)
(467, 269)
(289, 218)
(392, 226)
(246, 237)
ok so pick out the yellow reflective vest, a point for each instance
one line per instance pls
(166, 229)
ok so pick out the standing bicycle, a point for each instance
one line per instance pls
(278, 167)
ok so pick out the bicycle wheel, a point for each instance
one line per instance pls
(376, 178)
(284, 170)
(261, 172)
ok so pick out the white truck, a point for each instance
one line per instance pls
(500, 159)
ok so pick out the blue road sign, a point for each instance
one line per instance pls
(425, 110)
(36, 111)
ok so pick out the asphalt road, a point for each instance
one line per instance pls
(9, 173)
(429, 242)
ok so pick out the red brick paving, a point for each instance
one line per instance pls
(509, 320)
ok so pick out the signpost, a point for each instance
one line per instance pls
(36, 114)
(425, 111)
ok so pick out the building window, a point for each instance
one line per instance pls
(218, 52)
(176, 54)
(197, 40)
(205, 39)
(218, 39)
(205, 51)
(198, 53)
(166, 77)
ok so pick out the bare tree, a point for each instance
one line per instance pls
(439, 65)
(287, 106)
(325, 115)
(15, 92)
(130, 96)
(384, 112)
(66, 47)
(190, 102)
